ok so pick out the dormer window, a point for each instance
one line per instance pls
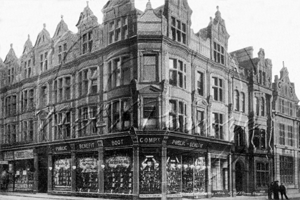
(87, 42)
(62, 49)
(27, 68)
(11, 75)
(118, 30)
(178, 30)
(219, 53)
(44, 61)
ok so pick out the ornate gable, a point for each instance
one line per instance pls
(43, 37)
(217, 29)
(61, 29)
(87, 19)
(284, 87)
(27, 46)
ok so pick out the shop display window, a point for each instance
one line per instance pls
(150, 174)
(199, 175)
(174, 167)
(193, 174)
(62, 172)
(87, 174)
(187, 174)
(24, 175)
(118, 172)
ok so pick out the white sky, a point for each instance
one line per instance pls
(269, 24)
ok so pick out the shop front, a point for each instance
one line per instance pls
(21, 170)
(148, 166)
(87, 162)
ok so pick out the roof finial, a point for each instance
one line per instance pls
(11, 45)
(217, 8)
(28, 37)
(210, 18)
(44, 25)
(87, 3)
(62, 17)
(148, 6)
(283, 63)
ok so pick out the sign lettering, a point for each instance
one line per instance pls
(115, 142)
(87, 145)
(150, 139)
(185, 142)
(61, 148)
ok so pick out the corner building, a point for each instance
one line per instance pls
(138, 107)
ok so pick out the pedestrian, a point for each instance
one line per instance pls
(276, 190)
(282, 190)
(4, 179)
(270, 190)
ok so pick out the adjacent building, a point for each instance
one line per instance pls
(141, 106)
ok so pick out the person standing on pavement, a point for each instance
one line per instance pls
(276, 190)
(270, 190)
(282, 190)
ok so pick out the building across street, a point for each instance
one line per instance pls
(142, 107)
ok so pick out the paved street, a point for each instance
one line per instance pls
(29, 196)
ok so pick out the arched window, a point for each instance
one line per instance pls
(237, 100)
(243, 109)
(262, 106)
(256, 106)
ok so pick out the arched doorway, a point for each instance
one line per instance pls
(239, 177)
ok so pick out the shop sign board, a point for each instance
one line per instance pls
(87, 145)
(61, 148)
(150, 139)
(220, 193)
(115, 142)
(23, 154)
(115, 161)
(3, 162)
(176, 141)
(8, 155)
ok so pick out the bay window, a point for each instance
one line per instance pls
(177, 116)
(218, 88)
(177, 73)
(118, 114)
(218, 126)
(150, 111)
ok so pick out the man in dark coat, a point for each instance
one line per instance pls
(276, 190)
(270, 190)
(282, 190)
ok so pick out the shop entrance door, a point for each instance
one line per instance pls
(43, 173)
(238, 177)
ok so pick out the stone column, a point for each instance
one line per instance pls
(101, 169)
(164, 173)
(36, 171)
(136, 172)
(73, 170)
(50, 172)
(231, 173)
(208, 174)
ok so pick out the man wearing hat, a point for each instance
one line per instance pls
(276, 190)
(282, 190)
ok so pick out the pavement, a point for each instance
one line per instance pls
(58, 197)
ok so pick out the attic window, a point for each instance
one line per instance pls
(87, 42)
(178, 30)
(219, 54)
(118, 30)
